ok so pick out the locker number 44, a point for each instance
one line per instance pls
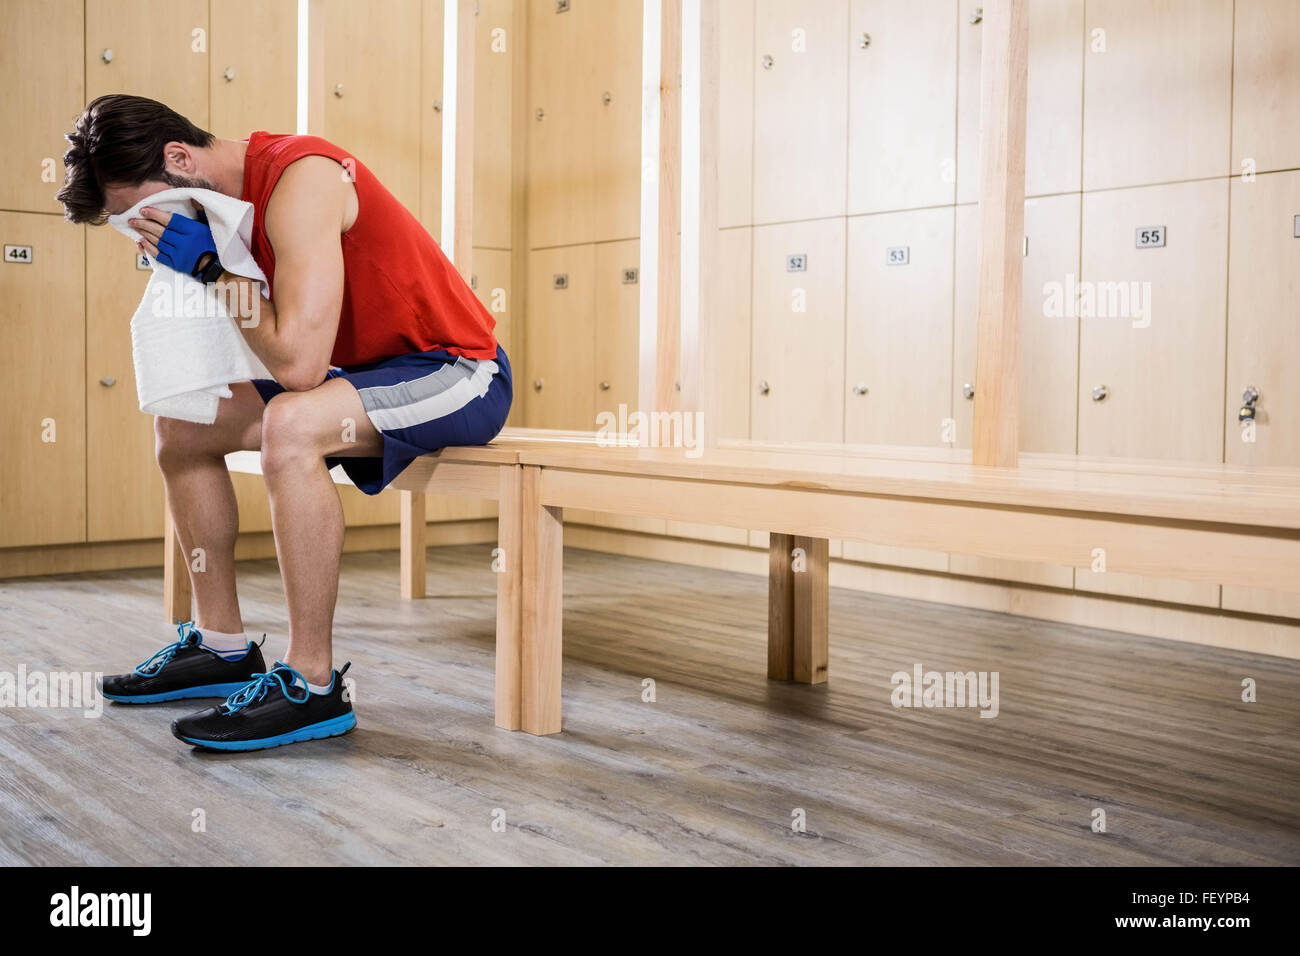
(1149, 237)
(21, 254)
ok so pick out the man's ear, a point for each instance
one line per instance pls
(178, 159)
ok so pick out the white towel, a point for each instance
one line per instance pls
(186, 347)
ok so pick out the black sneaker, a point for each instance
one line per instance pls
(184, 668)
(274, 708)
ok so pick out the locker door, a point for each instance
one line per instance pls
(1049, 342)
(903, 99)
(1266, 85)
(736, 113)
(1049, 355)
(1160, 360)
(800, 109)
(494, 65)
(149, 50)
(617, 329)
(431, 120)
(899, 343)
(1157, 91)
(1264, 342)
(561, 132)
(43, 338)
(253, 67)
(797, 364)
(615, 98)
(561, 339)
(1053, 126)
(734, 316)
(493, 283)
(153, 53)
(371, 79)
(124, 492)
(43, 58)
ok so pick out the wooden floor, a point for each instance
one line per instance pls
(1152, 732)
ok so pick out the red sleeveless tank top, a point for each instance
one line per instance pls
(400, 292)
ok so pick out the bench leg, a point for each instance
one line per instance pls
(529, 605)
(178, 598)
(798, 609)
(413, 545)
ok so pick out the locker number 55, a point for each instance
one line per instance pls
(1149, 237)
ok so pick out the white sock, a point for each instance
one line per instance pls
(231, 647)
(314, 688)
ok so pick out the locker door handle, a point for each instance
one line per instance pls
(1099, 393)
(107, 56)
(537, 385)
(860, 389)
(338, 90)
(978, 15)
(968, 391)
(764, 388)
(864, 41)
(767, 61)
(108, 381)
(604, 386)
(229, 73)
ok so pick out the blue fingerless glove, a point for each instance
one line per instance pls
(183, 243)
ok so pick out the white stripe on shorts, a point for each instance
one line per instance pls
(439, 405)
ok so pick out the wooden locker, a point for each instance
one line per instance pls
(800, 65)
(42, 70)
(370, 84)
(1049, 342)
(617, 326)
(797, 359)
(1157, 91)
(615, 101)
(150, 50)
(736, 113)
(902, 104)
(1161, 360)
(1266, 86)
(898, 344)
(253, 67)
(431, 118)
(43, 339)
(560, 339)
(899, 340)
(561, 132)
(1049, 355)
(492, 282)
(1264, 342)
(1054, 120)
(124, 490)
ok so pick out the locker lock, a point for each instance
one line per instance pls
(1099, 393)
(107, 56)
(1248, 400)
(767, 61)
(338, 90)
(229, 73)
(108, 381)
(537, 385)
(860, 389)
(764, 388)
(978, 15)
(968, 391)
(604, 386)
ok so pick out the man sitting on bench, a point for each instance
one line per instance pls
(380, 353)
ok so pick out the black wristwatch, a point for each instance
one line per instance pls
(211, 272)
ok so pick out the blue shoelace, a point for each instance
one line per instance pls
(187, 635)
(257, 688)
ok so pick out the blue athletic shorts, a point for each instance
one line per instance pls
(420, 403)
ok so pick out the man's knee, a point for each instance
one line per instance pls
(288, 437)
(177, 443)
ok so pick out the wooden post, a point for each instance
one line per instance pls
(510, 647)
(661, 208)
(541, 532)
(798, 609)
(1004, 68)
(412, 537)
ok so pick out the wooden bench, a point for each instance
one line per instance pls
(1219, 524)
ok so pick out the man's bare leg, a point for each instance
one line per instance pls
(299, 429)
(202, 498)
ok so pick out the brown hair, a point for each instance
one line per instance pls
(118, 141)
